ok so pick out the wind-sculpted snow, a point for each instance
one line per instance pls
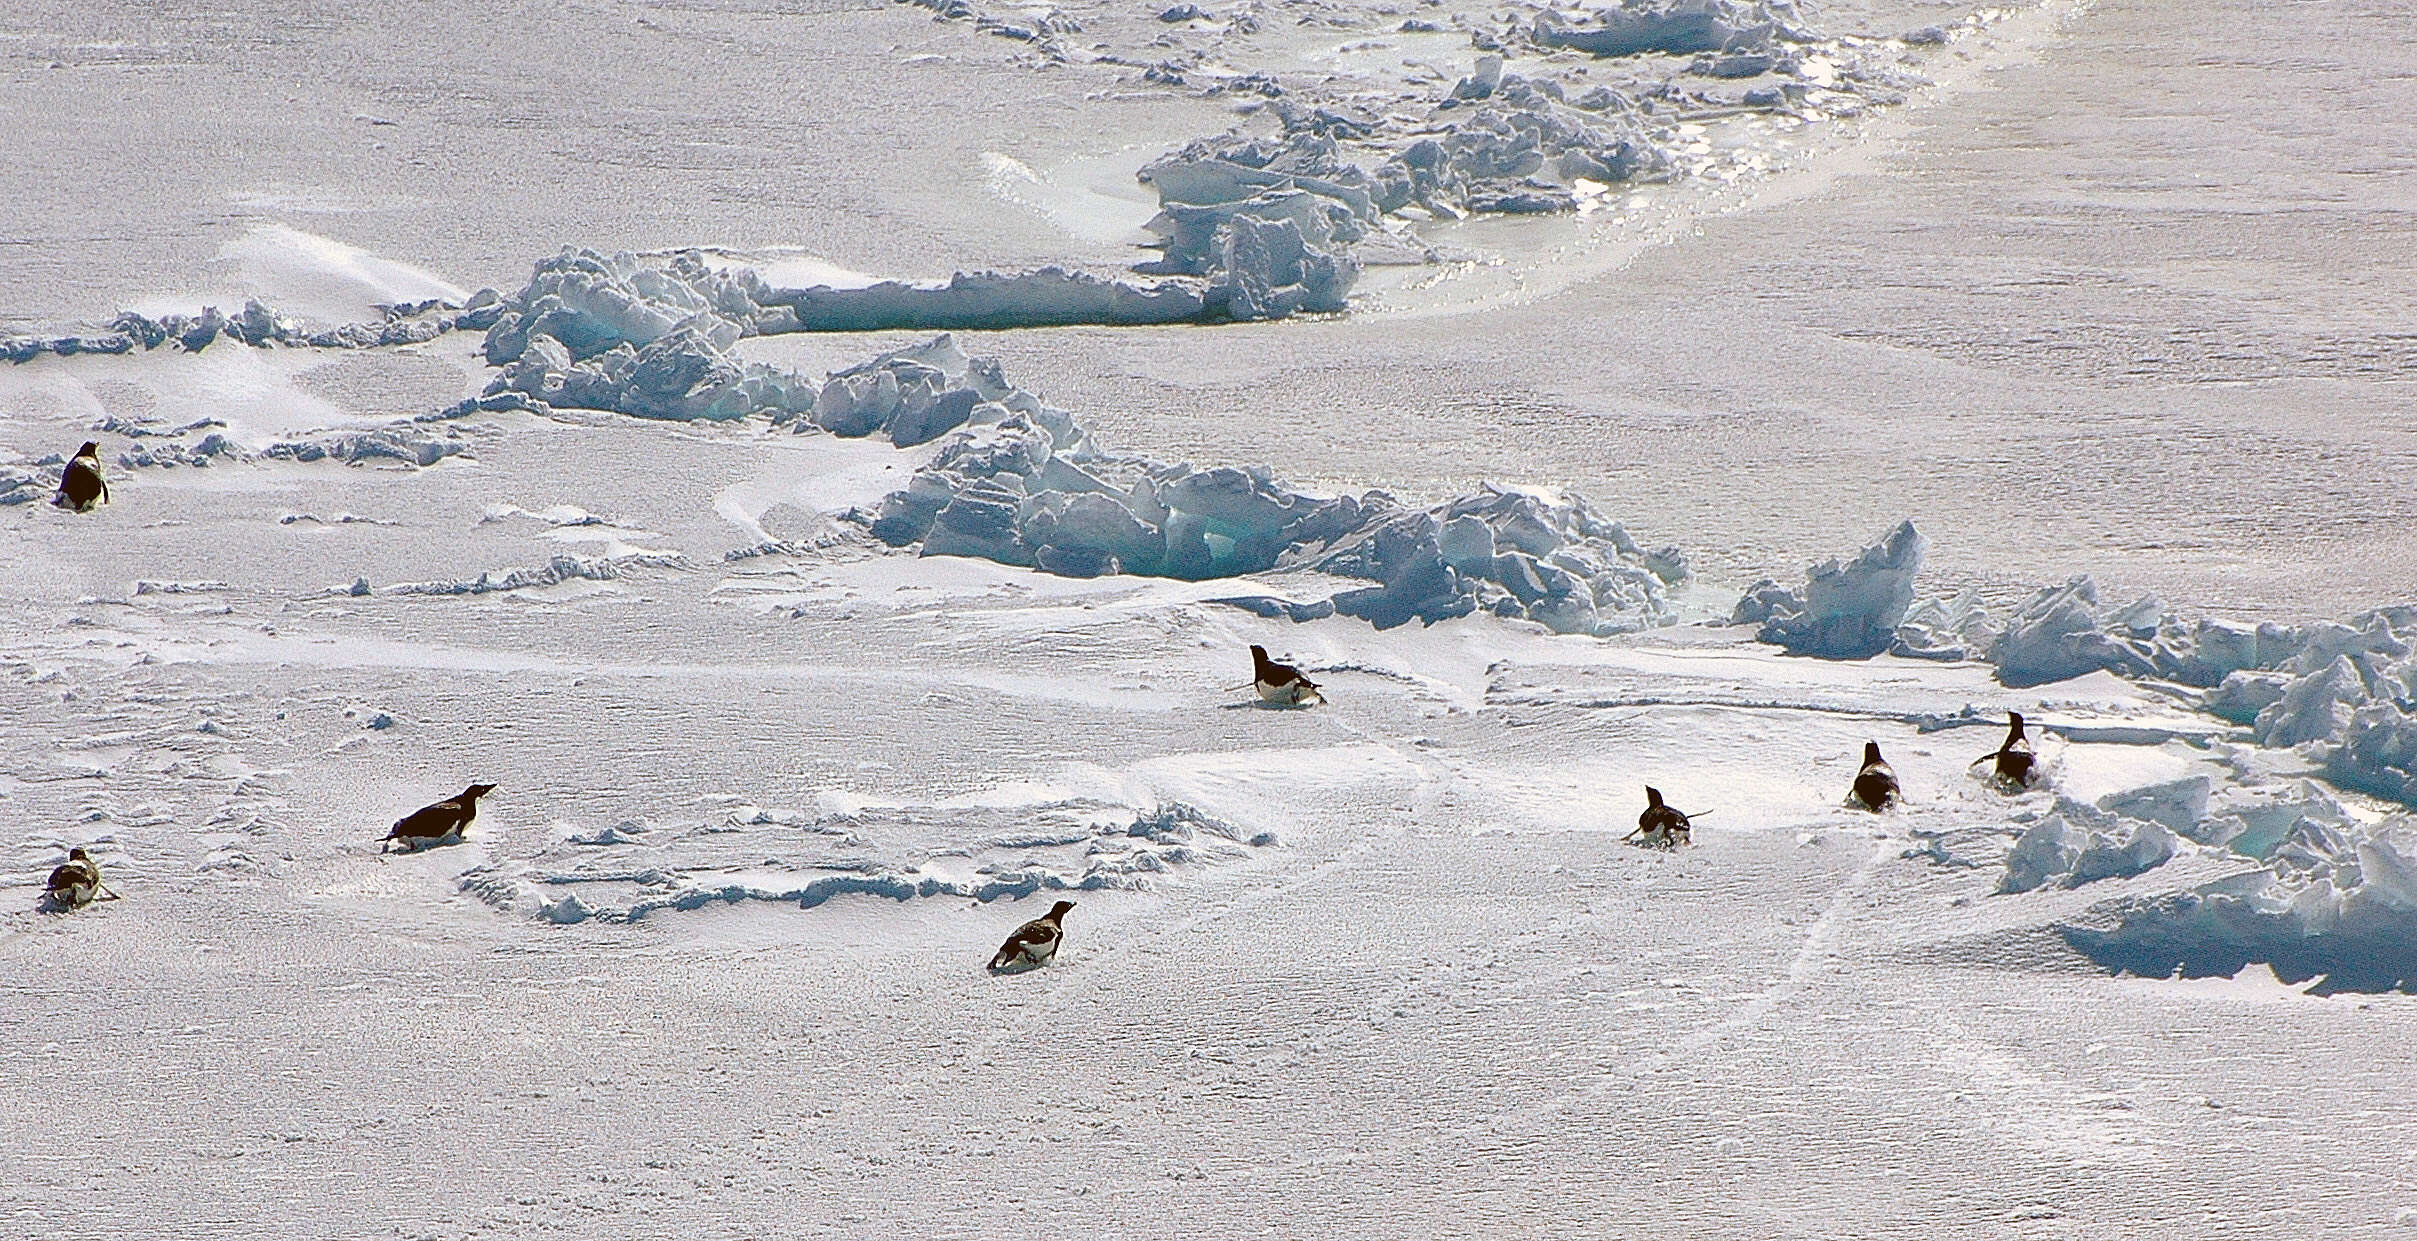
(2063, 632)
(2332, 902)
(1515, 147)
(2343, 694)
(1020, 482)
(1016, 481)
(1499, 140)
(2076, 844)
(554, 572)
(1845, 611)
(629, 871)
(261, 327)
(1673, 27)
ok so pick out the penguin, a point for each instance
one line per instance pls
(2014, 758)
(1281, 683)
(82, 486)
(1876, 784)
(436, 824)
(76, 881)
(1033, 943)
(1661, 826)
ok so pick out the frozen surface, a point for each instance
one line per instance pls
(2063, 283)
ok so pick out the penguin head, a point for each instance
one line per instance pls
(77, 854)
(90, 449)
(1871, 753)
(476, 791)
(2014, 720)
(1258, 655)
(1653, 796)
(1058, 911)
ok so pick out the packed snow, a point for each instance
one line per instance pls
(1526, 376)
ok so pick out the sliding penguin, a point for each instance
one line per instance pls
(1876, 784)
(82, 486)
(438, 823)
(1660, 826)
(1281, 683)
(1033, 943)
(2014, 758)
(75, 882)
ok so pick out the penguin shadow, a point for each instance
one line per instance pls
(411, 848)
(50, 904)
(1262, 705)
(1019, 966)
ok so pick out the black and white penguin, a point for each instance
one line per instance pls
(1876, 784)
(1033, 943)
(82, 486)
(1281, 683)
(75, 882)
(1661, 826)
(2014, 758)
(437, 824)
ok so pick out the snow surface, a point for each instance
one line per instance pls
(772, 785)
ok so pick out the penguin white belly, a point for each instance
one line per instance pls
(1296, 694)
(414, 844)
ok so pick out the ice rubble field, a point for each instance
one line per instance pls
(809, 658)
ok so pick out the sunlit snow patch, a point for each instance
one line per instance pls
(628, 871)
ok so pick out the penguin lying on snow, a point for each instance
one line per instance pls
(2014, 758)
(1661, 826)
(75, 882)
(1033, 943)
(1281, 683)
(441, 823)
(82, 486)
(1876, 784)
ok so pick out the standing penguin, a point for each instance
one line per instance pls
(437, 823)
(1281, 683)
(1033, 943)
(82, 486)
(2014, 758)
(1661, 826)
(1876, 784)
(75, 882)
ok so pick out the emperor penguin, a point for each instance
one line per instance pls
(1876, 783)
(75, 882)
(440, 823)
(2014, 757)
(81, 485)
(1033, 943)
(1281, 683)
(1661, 826)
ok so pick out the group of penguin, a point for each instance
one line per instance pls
(77, 882)
(1875, 788)
(1664, 826)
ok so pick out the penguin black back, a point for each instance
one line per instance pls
(1661, 824)
(435, 822)
(2014, 758)
(80, 484)
(1282, 684)
(75, 882)
(1876, 784)
(1033, 944)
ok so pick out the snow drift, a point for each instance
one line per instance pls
(2335, 904)
(629, 871)
(1845, 611)
(1019, 482)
